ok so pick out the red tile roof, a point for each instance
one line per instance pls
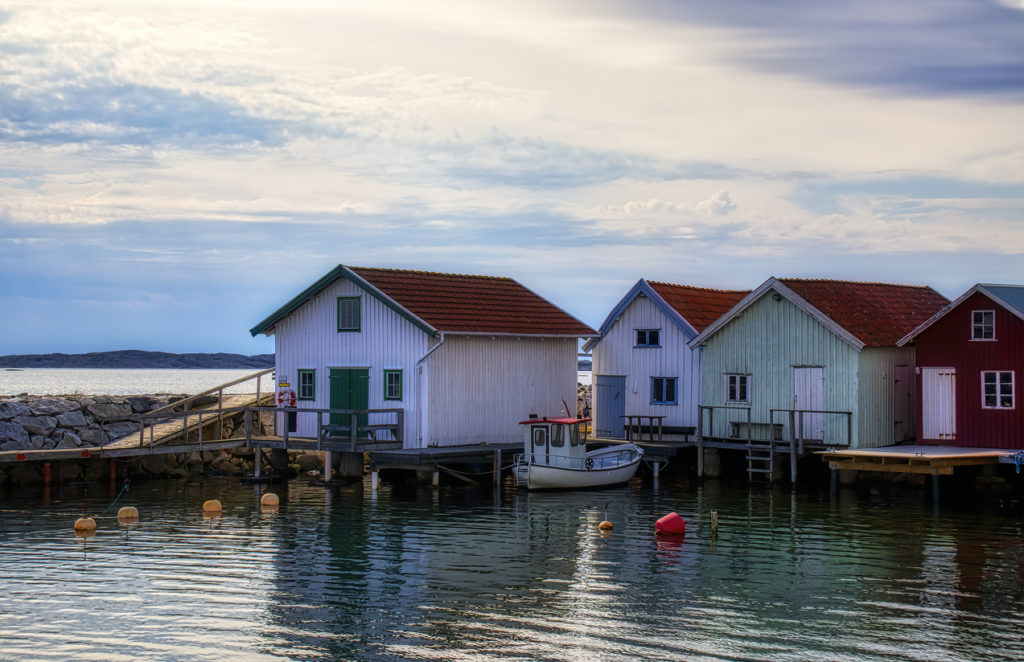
(878, 314)
(698, 306)
(473, 304)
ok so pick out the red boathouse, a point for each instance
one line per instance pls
(970, 358)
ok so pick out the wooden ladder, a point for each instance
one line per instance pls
(760, 459)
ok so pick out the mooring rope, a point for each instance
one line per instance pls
(124, 489)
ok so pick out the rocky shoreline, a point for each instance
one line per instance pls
(88, 421)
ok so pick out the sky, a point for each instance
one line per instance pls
(173, 172)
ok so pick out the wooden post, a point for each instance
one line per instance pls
(656, 466)
(935, 488)
(435, 478)
(400, 422)
(46, 473)
(353, 424)
(714, 522)
(328, 466)
(833, 479)
(248, 426)
(374, 480)
(700, 440)
(497, 467)
(220, 413)
(257, 463)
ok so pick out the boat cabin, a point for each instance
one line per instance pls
(556, 441)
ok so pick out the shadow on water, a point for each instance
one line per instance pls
(343, 573)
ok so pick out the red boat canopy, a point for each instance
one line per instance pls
(563, 421)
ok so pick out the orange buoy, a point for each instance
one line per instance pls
(606, 526)
(270, 500)
(211, 506)
(671, 524)
(128, 514)
(85, 524)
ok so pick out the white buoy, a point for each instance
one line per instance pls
(128, 514)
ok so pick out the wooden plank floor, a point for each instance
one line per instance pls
(939, 460)
(161, 433)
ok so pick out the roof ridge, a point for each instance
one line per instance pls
(852, 282)
(419, 272)
(694, 287)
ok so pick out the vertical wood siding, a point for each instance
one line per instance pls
(878, 372)
(947, 343)
(309, 339)
(480, 387)
(617, 354)
(767, 341)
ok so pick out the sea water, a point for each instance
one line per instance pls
(122, 381)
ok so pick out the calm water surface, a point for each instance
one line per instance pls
(459, 574)
(125, 381)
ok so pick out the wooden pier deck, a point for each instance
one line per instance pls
(931, 460)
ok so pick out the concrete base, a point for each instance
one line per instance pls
(712, 463)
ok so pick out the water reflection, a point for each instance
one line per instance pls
(343, 573)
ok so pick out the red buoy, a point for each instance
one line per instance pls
(671, 524)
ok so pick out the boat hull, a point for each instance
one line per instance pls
(547, 477)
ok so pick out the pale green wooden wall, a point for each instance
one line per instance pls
(768, 340)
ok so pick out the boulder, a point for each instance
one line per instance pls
(10, 409)
(37, 424)
(108, 410)
(308, 461)
(153, 464)
(18, 445)
(38, 441)
(118, 430)
(12, 432)
(139, 405)
(72, 419)
(53, 406)
(93, 437)
(68, 440)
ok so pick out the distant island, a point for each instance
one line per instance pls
(133, 358)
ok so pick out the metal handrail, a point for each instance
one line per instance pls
(611, 458)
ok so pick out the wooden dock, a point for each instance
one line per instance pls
(930, 460)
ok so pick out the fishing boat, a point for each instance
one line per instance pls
(556, 457)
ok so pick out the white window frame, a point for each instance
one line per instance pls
(981, 326)
(999, 391)
(740, 378)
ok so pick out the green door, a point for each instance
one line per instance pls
(350, 389)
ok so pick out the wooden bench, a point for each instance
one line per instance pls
(758, 431)
(685, 431)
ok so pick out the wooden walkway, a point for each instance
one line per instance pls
(931, 460)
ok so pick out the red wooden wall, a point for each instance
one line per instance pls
(947, 343)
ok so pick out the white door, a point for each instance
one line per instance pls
(938, 403)
(809, 393)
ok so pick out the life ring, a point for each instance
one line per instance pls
(286, 398)
(590, 463)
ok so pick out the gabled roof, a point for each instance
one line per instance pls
(1010, 297)
(862, 314)
(450, 303)
(689, 308)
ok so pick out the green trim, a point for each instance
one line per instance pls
(341, 271)
(359, 314)
(388, 373)
(312, 384)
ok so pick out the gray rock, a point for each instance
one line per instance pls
(37, 424)
(38, 441)
(139, 405)
(69, 440)
(18, 445)
(12, 432)
(118, 430)
(106, 410)
(52, 406)
(93, 437)
(9, 409)
(72, 419)
(153, 464)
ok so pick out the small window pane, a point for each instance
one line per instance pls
(392, 384)
(348, 313)
(307, 382)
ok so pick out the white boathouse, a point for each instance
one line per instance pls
(464, 357)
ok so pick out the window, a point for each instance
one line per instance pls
(997, 389)
(348, 313)
(737, 388)
(648, 337)
(392, 384)
(557, 435)
(663, 390)
(307, 385)
(983, 325)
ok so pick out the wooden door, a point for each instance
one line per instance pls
(609, 406)
(350, 389)
(938, 403)
(809, 393)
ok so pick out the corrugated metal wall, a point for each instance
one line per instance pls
(308, 339)
(767, 341)
(480, 387)
(617, 354)
(878, 372)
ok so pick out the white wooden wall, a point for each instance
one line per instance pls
(309, 339)
(617, 354)
(480, 387)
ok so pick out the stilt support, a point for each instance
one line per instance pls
(497, 467)
(935, 488)
(257, 463)
(328, 465)
(435, 478)
(374, 481)
(656, 466)
(833, 480)
(113, 472)
(46, 473)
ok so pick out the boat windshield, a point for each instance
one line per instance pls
(574, 435)
(558, 435)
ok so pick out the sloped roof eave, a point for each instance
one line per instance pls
(984, 288)
(640, 287)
